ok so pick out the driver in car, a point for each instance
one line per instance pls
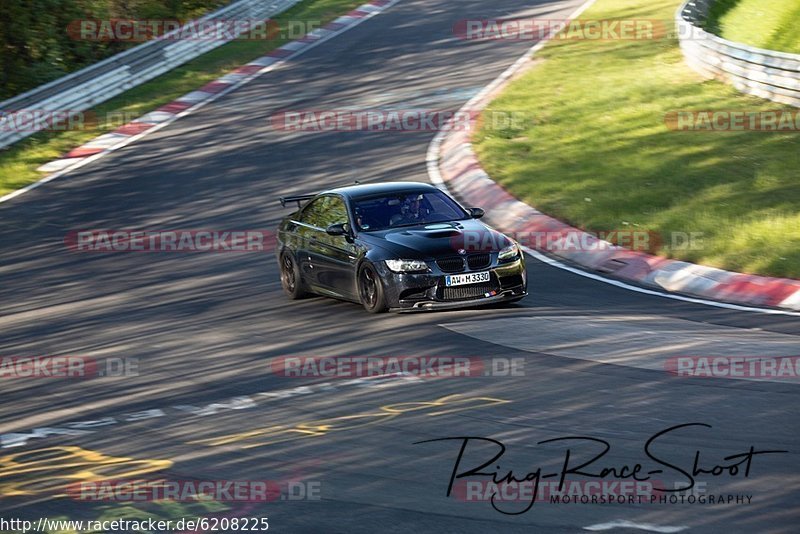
(411, 212)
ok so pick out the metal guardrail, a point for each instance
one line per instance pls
(97, 83)
(763, 73)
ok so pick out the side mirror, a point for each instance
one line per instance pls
(476, 213)
(337, 229)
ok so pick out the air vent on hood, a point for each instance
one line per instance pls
(438, 234)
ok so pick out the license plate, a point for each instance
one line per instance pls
(466, 279)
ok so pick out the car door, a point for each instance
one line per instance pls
(307, 233)
(334, 257)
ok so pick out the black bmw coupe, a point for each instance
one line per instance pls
(399, 246)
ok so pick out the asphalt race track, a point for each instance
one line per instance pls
(204, 328)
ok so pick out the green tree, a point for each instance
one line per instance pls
(36, 45)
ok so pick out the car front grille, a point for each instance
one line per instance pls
(451, 265)
(478, 261)
(467, 292)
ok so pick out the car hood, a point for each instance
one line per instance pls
(437, 240)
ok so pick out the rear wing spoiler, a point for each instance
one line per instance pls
(296, 198)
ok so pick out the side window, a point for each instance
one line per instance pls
(335, 211)
(314, 212)
(324, 211)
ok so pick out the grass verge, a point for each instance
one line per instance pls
(770, 24)
(599, 155)
(18, 162)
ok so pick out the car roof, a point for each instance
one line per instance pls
(360, 190)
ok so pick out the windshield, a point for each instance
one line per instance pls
(407, 208)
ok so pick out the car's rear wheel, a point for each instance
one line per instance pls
(370, 289)
(291, 281)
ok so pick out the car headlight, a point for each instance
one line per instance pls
(406, 266)
(510, 252)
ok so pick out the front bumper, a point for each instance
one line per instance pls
(428, 291)
(454, 305)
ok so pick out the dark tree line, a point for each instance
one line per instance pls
(37, 47)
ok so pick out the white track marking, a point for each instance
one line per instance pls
(649, 527)
(555, 263)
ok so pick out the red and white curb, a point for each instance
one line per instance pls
(453, 165)
(191, 102)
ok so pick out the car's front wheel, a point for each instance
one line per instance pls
(370, 289)
(291, 281)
